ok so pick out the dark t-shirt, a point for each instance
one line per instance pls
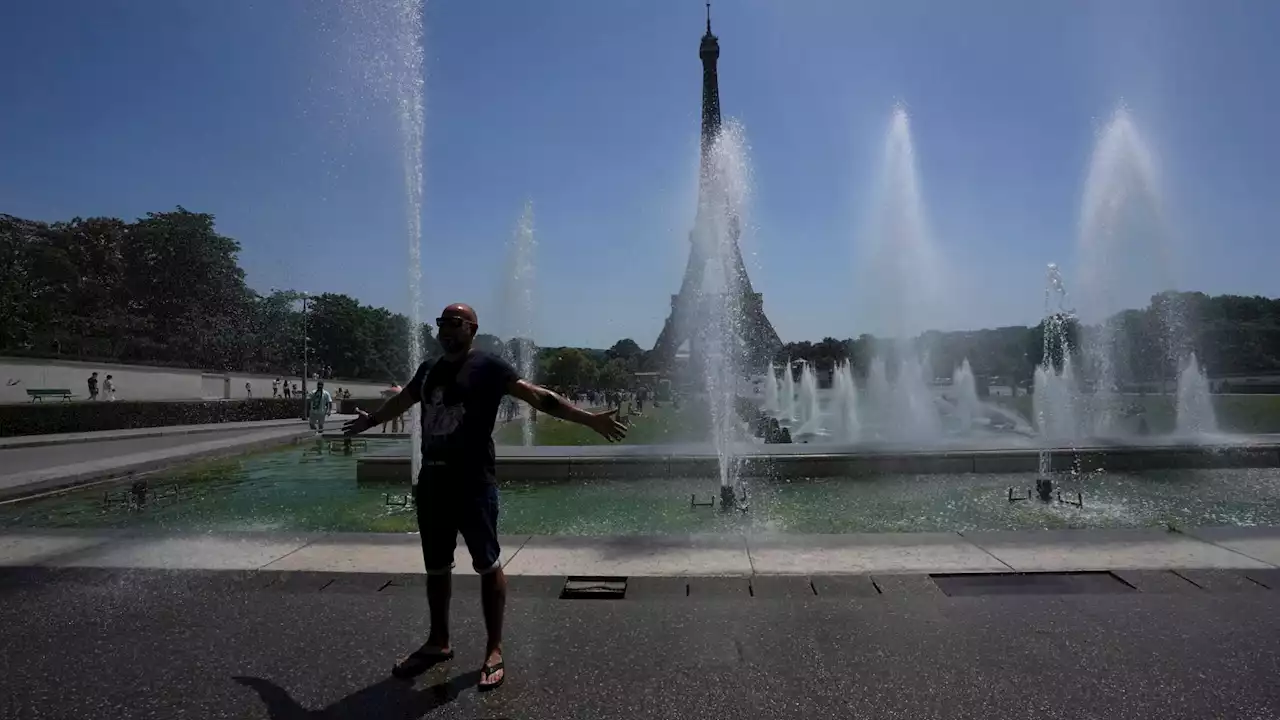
(460, 400)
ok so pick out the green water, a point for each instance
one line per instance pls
(305, 488)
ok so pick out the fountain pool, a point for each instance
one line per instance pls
(304, 488)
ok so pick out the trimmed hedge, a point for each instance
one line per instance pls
(67, 417)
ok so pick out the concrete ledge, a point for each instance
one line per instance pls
(35, 482)
(249, 551)
(25, 441)
(1139, 549)
(764, 461)
(869, 552)
(1260, 543)
(361, 553)
(633, 555)
(731, 555)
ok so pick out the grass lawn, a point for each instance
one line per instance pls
(656, 426)
(1236, 413)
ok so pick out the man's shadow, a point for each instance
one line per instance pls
(391, 699)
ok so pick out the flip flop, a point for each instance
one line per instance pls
(487, 671)
(419, 661)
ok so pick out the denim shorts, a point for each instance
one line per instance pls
(449, 506)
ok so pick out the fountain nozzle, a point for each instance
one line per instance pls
(1044, 489)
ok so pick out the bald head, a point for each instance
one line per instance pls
(461, 310)
(457, 326)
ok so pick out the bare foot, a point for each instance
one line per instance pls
(421, 660)
(492, 674)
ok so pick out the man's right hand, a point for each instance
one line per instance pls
(363, 422)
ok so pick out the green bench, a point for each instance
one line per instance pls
(42, 393)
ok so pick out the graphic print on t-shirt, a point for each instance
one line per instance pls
(438, 419)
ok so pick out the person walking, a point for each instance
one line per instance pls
(457, 488)
(109, 388)
(93, 386)
(318, 407)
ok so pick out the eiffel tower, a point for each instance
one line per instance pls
(689, 307)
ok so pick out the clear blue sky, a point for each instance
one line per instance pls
(260, 112)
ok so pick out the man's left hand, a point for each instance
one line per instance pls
(606, 423)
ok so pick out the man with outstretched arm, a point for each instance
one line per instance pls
(457, 489)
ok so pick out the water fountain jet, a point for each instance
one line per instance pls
(517, 308)
(1195, 403)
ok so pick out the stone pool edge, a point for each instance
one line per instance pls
(563, 465)
(25, 485)
(698, 555)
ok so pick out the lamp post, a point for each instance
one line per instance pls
(305, 349)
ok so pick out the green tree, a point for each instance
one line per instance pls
(627, 350)
(614, 375)
(569, 368)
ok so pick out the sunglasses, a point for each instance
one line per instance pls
(452, 322)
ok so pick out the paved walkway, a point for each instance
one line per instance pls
(136, 433)
(664, 555)
(226, 645)
(31, 465)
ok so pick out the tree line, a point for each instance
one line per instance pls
(167, 289)
(1231, 335)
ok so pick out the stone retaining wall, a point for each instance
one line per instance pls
(146, 382)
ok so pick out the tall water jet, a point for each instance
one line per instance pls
(1055, 396)
(1054, 402)
(385, 38)
(771, 390)
(810, 409)
(965, 387)
(880, 397)
(902, 408)
(721, 207)
(919, 420)
(1195, 403)
(410, 82)
(845, 403)
(787, 403)
(1124, 259)
(899, 268)
(517, 306)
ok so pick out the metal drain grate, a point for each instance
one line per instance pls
(594, 588)
(1039, 583)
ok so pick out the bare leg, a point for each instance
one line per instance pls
(436, 648)
(493, 599)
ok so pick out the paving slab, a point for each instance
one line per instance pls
(378, 553)
(1259, 543)
(906, 586)
(661, 588)
(719, 588)
(844, 586)
(1044, 550)
(773, 587)
(1268, 578)
(1220, 581)
(247, 551)
(867, 553)
(1157, 581)
(631, 555)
